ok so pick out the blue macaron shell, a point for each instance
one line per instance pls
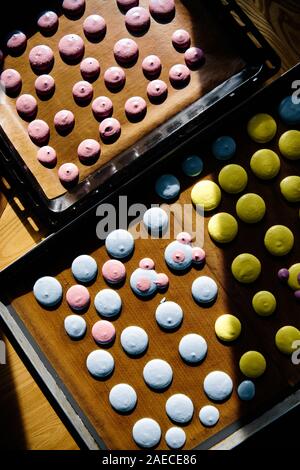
(246, 390)
(167, 187)
(224, 148)
(192, 165)
(289, 111)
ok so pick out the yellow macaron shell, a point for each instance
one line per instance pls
(250, 208)
(262, 128)
(294, 276)
(265, 164)
(279, 240)
(222, 227)
(252, 364)
(233, 178)
(228, 328)
(264, 303)
(246, 268)
(289, 145)
(285, 338)
(206, 193)
(290, 188)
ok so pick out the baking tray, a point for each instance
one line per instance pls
(238, 59)
(61, 362)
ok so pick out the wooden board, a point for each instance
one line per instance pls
(68, 358)
(222, 61)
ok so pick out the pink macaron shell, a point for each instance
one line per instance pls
(137, 19)
(26, 106)
(82, 92)
(48, 22)
(151, 66)
(162, 9)
(16, 43)
(157, 91)
(64, 121)
(11, 81)
(135, 108)
(126, 51)
(184, 237)
(125, 5)
(78, 297)
(94, 27)
(102, 107)
(181, 39)
(68, 174)
(146, 263)
(194, 57)
(89, 151)
(179, 75)
(41, 58)
(44, 85)
(143, 284)
(90, 68)
(198, 255)
(39, 132)
(114, 78)
(103, 332)
(114, 271)
(110, 129)
(178, 256)
(73, 8)
(162, 281)
(71, 47)
(47, 156)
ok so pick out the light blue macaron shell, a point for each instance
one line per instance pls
(119, 244)
(218, 385)
(171, 249)
(108, 303)
(146, 273)
(48, 291)
(100, 363)
(169, 315)
(84, 268)
(204, 290)
(75, 326)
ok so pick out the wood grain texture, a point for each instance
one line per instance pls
(279, 22)
(27, 419)
(222, 61)
(16, 239)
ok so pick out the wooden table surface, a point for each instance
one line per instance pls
(27, 418)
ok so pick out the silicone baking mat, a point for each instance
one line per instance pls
(67, 358)
(228, 50)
